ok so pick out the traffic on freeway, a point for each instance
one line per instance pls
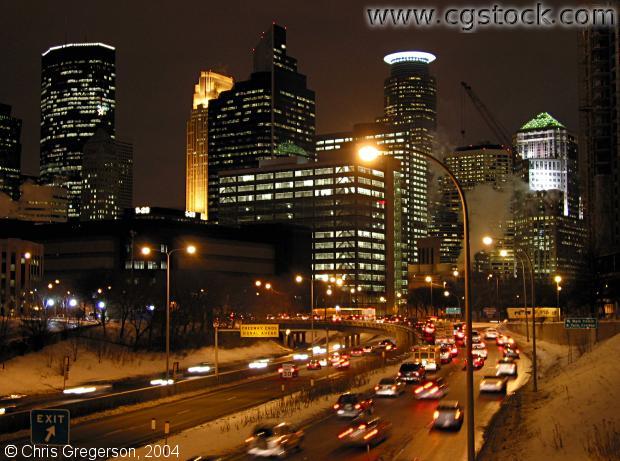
(417, 419)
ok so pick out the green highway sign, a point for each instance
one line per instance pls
(453, 310)
(49, 427)
(584, 323)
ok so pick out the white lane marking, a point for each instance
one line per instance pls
(113, 432)
(183, 412)
(230, 398)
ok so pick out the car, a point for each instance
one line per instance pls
(388, 344)
(410, 372)
(445, 354)
(269, 441)
(454, 350)
(258, 364)
(390, 387)
(314, 364)
(342, 364)
(357, 352)
(367, 349)
(477, 361)
(506, 367)
(433, 389)
(448, 415)
(201, 368)
(475, 337)
(492, 383)
(480, 350)
(365, 432)
(288, 370)
(490, 333)
(352, 405)
(335, 357)
(510, 352)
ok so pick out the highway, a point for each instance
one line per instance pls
(132, 429)
(411, 438)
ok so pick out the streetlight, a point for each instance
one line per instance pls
(371, 153)
(189, 249)
(489, 241)
(557, 279)
(267, 286)
(258, 283)
(428, 279)
(27, 255)
(300, 279)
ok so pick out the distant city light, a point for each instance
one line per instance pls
(409, 56)
(73, 302)
(100, 304)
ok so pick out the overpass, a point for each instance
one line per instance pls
(351, 330)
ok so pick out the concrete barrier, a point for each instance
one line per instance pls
(554, 332)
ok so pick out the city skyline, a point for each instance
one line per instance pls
(462, 57)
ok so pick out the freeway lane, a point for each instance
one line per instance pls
(411, 438)
(133, 428)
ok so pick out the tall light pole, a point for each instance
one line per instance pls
(489, 241)
(428, 279)
(369, 154)
(557, 279)
(190, 249)
(300, 279)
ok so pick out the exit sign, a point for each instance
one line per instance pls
(585, 323)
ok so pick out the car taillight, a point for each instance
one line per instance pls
(419, 389)
(399, 373)
(376, 388)
(336, 406)
(357, 406)
(457, 415)
(249, 439)
(434, 389)
(393, 388)
(280, 370)
(436, 414)
(370, 434)
(345, 433)
(361, 427)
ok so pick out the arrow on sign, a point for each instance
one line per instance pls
(51, 432)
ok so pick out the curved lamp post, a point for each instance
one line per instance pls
(370, 153)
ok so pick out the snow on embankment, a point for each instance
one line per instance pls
(576, 414)
(40, 372)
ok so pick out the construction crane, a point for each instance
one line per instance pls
(496, 127)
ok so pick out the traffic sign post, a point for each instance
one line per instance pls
(49, 427)
(584, 323)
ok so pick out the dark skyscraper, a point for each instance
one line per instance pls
(10, 152)
(107, 171)
(78, 95)
(271, 114)
(599, 154)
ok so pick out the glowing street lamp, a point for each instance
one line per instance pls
(368, 153)
(27, 255)
(557, 279)
(73, 302)
(189, 249)
(258, 283)
(267, 286)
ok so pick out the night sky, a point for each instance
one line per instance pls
(162, 46)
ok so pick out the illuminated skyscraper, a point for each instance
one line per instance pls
(78, 95)
(406, 129)
(10, 152)
(270, 115)
(209, 86)
(550, 152)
